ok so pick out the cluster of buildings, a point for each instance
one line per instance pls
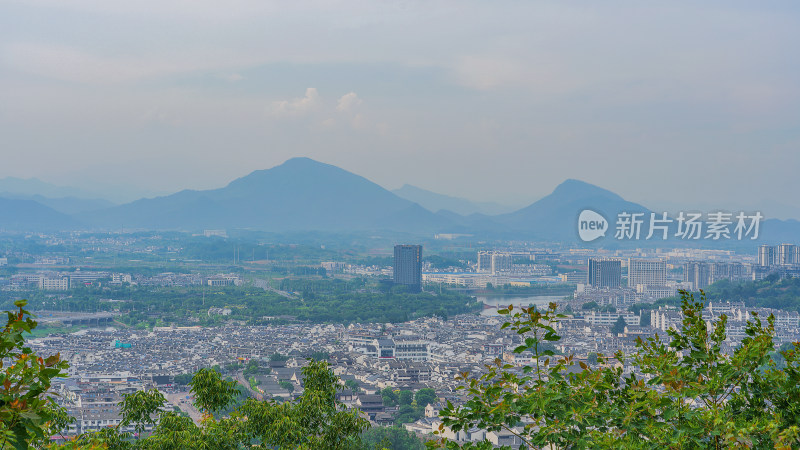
(649, 279)
(650, 274)
(702, 274)
(64, 281)
(782, 260)
(787, 323)
(497, 268)
(108, 362)
(778, 255)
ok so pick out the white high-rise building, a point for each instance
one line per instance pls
(495, 262)
(484, 261)
(647, 272)
(766, 255)
(502, 262)
(785, 254)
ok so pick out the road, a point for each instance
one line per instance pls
(264, 284)
(179, 400)
(241, 380)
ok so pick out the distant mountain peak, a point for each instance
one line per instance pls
(306, 171)
(553, 217)
(300, 194)
(301, 160)
(571, 188)
(306, 163)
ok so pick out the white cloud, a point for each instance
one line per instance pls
(348, 102)
(345, 114)
(298, 106)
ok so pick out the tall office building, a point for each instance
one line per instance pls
(408, 266)
(485, 261)
(785, 254)
(766, 255)
(501, 262)
(647, 272)
(704, 274)
(778, 255)
(495, 262)
(729, 271)
(604, 273)
(697, 273)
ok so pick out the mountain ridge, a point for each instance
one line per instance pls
(300, 194)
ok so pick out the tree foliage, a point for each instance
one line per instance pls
(389, 397)
(687, 392)
(317, 301)
(28, 412)
(405, 397)
(619, 325)
(314, 421)
(424, 397)
(352, 385)
(389, 438)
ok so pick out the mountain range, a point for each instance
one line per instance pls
(306, 195)
(300, 194)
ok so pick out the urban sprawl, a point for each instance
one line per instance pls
(600, 292)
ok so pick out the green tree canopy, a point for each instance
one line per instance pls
(424, 397)
(688, 393)
(619, 326)
(278, 357)
(389, 438)
(405, 397)
(389, 397)
(28, 411)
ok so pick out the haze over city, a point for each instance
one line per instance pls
(399, 224)
(658, 103)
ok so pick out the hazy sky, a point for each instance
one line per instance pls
(664, 103)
